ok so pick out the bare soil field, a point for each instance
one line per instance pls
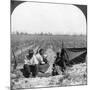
(75, 76)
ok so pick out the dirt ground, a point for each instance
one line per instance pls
(76, 75)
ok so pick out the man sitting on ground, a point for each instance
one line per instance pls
(31, 64)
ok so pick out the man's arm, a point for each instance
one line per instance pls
(26, 61)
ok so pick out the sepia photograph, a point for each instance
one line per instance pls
(48, 44)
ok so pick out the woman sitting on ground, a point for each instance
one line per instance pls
(40, 56)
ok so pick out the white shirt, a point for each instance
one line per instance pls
(39, 58)
(32, 61)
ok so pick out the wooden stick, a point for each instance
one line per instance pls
(15, 62)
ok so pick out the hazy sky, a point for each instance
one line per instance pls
(42, 17)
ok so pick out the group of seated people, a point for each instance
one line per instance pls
(32, 62)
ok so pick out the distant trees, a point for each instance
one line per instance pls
(25, 33)
(42, 33)
(20, 33)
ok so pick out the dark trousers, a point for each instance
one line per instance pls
(34, 70)
(31, 69)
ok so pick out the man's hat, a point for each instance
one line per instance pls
(31, 51)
